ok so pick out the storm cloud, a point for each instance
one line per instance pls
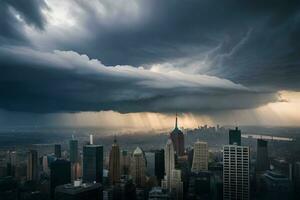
(136, 56)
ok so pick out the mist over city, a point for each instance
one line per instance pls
(148, 100)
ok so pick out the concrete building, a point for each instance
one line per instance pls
(176, 185)
(169, 164)
(200, 158)
(138, 167)
(236, 183)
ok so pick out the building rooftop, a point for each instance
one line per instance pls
(72, 190)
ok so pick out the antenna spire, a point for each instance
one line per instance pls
(176, 121)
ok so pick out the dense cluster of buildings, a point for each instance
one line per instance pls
(173, 172)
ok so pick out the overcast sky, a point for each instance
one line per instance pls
(114, 59)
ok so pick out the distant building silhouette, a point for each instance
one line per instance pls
(114, 163)
(32, 165)
(125, 162)
(60, 173)
(235, 136)
(159, 164)
(138, 167)
(57, 150)
(73, 145)
(200, 158)
(262, 158)
(92, 163)
(236, 183)
(178, 139)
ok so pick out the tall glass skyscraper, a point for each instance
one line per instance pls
(60, 174)
(159, 164)
(57, 150)
(92, 163)
(235, 136)
(262, 158)
(73, 144)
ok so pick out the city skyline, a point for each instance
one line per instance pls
(149, 99)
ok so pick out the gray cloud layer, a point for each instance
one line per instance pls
(249, 43)
(66, 81)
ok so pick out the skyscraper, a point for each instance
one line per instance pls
(178, 139)
(200, 158)
(176, 185)
(235, 136)
(138, 167)
(125, 163)
(114, 163)
(236, 184)
(60, 173)
(73, 144)
(45, 164)
(32, 165)
(159, 164)
(262, 158)
(169, 164)
(57, 150)
(150, 158)
(92, 162)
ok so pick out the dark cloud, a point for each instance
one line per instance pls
(164, 31)
(12, 28)
(33, 81)
(252, 43)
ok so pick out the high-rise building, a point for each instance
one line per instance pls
(176, 185)
(177, 138)
(235, 136)
(11, 163)
(57, 150)
(159, 164)
(125, 163)
(45, 164)
(92, 162)
(138, 167)
(150, 158)
(32, 165)
(262, 158)
(73, 144)
(60, 173)
(236, 183)
(114, 163)
(296, 177)
(169, 164)
(87, 191)
(200, 158)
